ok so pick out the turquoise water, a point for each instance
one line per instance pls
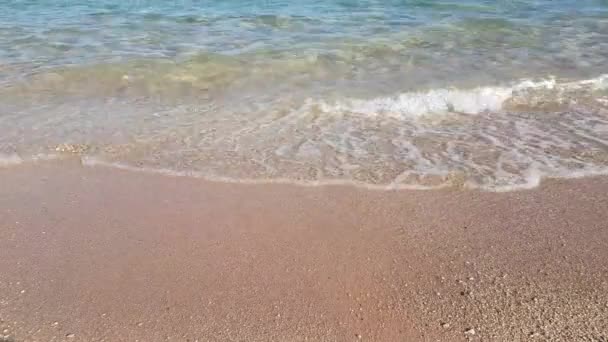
(496, 37)
(412, 93)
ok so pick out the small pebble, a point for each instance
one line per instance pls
(470, 331)
(69, 335)
(445, 325)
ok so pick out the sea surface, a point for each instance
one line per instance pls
(391, 94)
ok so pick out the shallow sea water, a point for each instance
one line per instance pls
(400, 94)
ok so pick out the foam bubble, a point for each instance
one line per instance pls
(96, 162)
(438, 101)
(531, 178)
(7, 160)
(465, 101)
(374, 144)
(13, 159)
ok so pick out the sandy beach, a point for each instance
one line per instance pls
(335, 170)
(98, 254)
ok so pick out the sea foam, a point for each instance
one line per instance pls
(383, 145)
(7, 160)
(454, 100)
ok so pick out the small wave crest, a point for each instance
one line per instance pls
(380, 146)
(465, 101)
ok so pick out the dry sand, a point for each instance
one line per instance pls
(96, 254)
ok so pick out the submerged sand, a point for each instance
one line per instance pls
(96, 254)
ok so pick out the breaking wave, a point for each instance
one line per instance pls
(494, 138)
(467, 101)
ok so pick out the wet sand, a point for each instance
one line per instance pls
(97, 254)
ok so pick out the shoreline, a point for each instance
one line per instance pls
(452, 182)
(93, 253)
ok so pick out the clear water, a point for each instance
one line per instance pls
(412, 93)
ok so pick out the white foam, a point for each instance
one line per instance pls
(95, 162)
(529, 148)
(533, 177)
(443, 101)
(598, 83)
(437, 101)
(7, 160)
(13, 159)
